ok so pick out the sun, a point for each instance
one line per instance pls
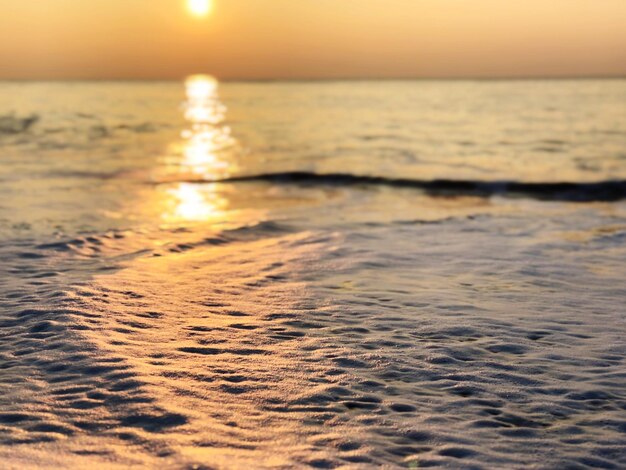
(200, 8)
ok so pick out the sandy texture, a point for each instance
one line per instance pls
(274, 347)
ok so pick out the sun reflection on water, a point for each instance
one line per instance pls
(194, 203)
(204, 155)
(203, 106)
(208, 140)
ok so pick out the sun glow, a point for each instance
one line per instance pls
(194, 203)
(207, 139)
(202, 155)
(200, 8)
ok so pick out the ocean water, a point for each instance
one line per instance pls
(314, 275)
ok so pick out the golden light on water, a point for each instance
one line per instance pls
(203, 154)
(200, 87)
(194, 203)
(199, 152)
(207, 141)
(203, 106)
(200, 8)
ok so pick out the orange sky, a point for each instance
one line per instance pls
(53, 39)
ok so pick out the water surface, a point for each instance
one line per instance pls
(183, 284)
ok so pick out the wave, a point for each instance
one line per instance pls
(607, 191)
(101, 131)
(12, 124)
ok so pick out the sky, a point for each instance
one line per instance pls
(312, 39)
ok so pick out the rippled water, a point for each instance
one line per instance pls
(275, 275)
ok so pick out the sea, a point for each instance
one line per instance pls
(199, 274)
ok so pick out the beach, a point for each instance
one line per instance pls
(366, 274)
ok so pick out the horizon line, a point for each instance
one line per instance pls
(325, 79)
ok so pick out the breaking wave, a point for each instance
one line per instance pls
(614, 190)
(12, 124)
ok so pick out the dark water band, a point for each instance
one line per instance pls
(554, 191)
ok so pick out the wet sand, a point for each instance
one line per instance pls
(272, 347)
